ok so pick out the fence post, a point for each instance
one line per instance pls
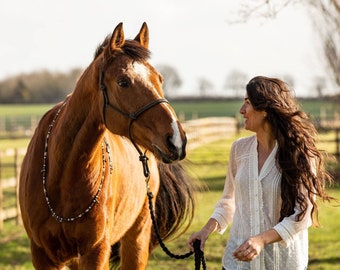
(337, 143)
(17, 176)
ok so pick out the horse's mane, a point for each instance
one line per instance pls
(131, 48)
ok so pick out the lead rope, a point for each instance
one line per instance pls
(199, 254)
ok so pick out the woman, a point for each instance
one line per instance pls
(272, 180)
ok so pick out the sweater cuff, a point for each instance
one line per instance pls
(223, 225)
(287, 239)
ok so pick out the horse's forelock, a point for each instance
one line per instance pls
(131, 48)
(135, 50)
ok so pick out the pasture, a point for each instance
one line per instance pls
(207, 164)
(197, 108)
(21, 120)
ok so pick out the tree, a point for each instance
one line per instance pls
(204, 86)
(326, 18)
(21, 93)
(324, 13)
(320, 85)
(38, 87)
(171, 80)
(236, 81)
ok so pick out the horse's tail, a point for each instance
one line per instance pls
(175, 204)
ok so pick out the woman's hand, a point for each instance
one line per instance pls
(250, 249)
(203, 234)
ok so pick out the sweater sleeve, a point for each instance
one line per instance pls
(289, 227)
(225, 207)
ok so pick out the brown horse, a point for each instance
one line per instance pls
(82, 187)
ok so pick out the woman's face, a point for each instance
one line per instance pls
(253, 120)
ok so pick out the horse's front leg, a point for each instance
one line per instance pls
(135, 243)
(96, 258)
(41, 261)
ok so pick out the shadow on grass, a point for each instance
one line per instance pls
(333, 260)
(215, 183)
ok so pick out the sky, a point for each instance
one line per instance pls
(193, 36)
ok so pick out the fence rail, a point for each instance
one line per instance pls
(205, 130)
(10, 167)
(199, 132)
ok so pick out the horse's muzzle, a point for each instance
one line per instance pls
(173, 152)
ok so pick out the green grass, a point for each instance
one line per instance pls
(207, 163)
(24, 109)
(200, 109)
(13, 143)
(14, 248)
(197, 108)
(324, 241)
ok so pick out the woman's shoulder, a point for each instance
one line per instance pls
(245, 140)
(244, 144)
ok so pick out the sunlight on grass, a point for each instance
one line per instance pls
(208, 164)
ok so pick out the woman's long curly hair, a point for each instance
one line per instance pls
(300, 161)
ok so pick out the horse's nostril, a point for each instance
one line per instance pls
(170, 143)
(176, 149)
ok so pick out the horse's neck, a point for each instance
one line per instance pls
(80, 128)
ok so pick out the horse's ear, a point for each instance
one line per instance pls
(117, 38)
(143, 36)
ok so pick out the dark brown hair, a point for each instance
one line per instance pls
(131, 48)
(300, 161)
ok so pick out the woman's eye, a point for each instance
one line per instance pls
(124, 83)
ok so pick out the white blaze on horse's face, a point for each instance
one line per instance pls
(144, 73)
(176, 138)
(141, 70)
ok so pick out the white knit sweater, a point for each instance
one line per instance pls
(251, 201)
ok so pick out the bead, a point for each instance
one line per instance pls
(105, 148)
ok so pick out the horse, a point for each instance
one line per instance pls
(82, 187)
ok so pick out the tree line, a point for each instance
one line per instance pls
(38, 87)
(51, 87)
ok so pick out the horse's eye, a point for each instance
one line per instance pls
(124, 83)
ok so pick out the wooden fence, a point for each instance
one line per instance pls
(10, 163)
(333, 125)
(205, 130)
(200, 131)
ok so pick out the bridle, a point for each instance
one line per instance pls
(199, 255)
(131, 116)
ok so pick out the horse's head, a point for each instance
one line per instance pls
(134, 104)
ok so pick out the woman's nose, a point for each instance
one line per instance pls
(242, 109)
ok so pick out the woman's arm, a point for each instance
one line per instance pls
(203, 234)
(252, 247)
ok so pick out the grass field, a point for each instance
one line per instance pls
(20, 120)
(208, 165)
(201, 108)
